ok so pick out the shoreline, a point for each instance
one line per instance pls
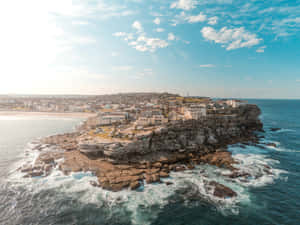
(51, 114)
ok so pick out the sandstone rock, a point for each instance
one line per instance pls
(222, 191)
(134, 185)
(35, 173)
(65, 169)
(117, 187)
(94, 183)
(48, 168)
(152, 178)
(26, 168)
(212, 140)
(163, 174)
(275, 129)
(271, 145)
(152, 155)
(152, 171)
(155, 178)
(239, 174)
(148, 179)
(179, 168)
(190, 166)
(46, 158)
(135, 172)
(157, 165)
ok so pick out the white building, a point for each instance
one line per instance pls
(151, 120)
(110, 118)
(234, 103)
(195, 112)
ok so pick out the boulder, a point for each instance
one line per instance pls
(94, 183)
(271, 145)
(26, 168)
(163, 174)
(35, 173)
(134, 185)
(221, 191)
(275, 129)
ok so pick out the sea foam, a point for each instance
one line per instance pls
(145, 204)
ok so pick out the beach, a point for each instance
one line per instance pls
(52, 114)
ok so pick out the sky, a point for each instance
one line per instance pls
(216, 48)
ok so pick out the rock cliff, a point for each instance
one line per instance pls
(176, 146)
(192, 136)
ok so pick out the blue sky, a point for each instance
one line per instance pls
(217, 48)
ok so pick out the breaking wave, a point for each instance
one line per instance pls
(145, 204)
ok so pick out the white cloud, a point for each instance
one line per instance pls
(231, 38)
(159, 30)
(195, 19)
(138, 26)
(261, 49)
(184, 4)
(114, 54)
(128, 37)
(141, 48)
(213, 20)
(171, 37)
(298, 80)
(83, 40)
(156, 21)
(80, 23)
(122, 68)
(119, 34)
(142, 43)
(77, 9)
(144, 73)
(207, 66)
(154, 43)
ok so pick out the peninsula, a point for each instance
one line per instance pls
(143, 137)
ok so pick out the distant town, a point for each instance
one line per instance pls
(144, 108)
(128, 112)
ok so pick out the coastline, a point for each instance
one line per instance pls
(51, 114)
(120, 164)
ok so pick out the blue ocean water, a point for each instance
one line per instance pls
(58, 199)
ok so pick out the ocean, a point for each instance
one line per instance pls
(265, 198)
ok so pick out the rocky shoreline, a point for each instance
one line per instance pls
(175, 147)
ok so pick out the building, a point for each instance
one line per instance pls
(111, 118)
(173, 116)
(194, 112)
(234, 103)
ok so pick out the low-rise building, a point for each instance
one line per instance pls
(110, 118)
(234, 103)
(194, 112)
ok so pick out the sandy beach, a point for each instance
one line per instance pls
(52, 114)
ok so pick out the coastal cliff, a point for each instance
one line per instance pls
(148, 156)
(200, 136)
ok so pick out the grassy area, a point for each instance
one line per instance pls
(194, 100)
(105, 134)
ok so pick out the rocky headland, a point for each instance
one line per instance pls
(153, 154)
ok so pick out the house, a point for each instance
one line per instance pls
(234, 103)
(158, 119)
(110, 118)
(173, 116)
(194, 112)
(151, 118)
(143, 121)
